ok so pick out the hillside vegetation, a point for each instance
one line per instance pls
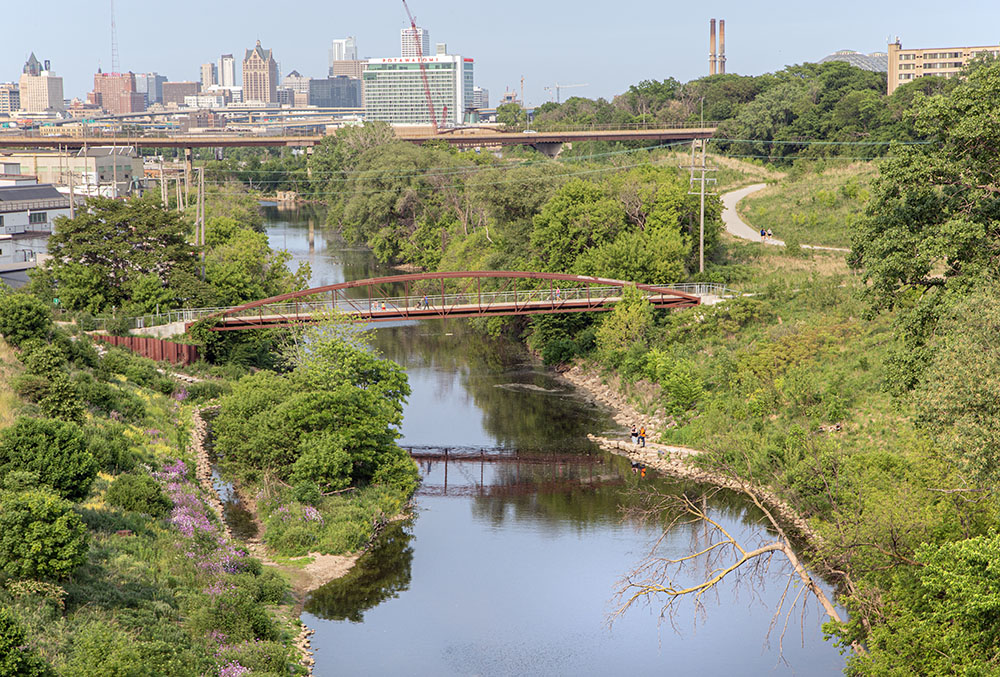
(814, 204)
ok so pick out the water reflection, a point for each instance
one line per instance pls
(511, 562)
(380, 574)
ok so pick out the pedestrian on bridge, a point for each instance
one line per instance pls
(424, 304)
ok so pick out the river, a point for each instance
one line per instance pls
(510, 563)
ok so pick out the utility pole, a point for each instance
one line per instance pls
(201, 217)
(703, 168)
(163, 187)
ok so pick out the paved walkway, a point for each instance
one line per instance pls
(738, 227)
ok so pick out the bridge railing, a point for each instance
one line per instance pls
(363, 306)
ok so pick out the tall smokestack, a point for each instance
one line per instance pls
(711, 52)
(722, 45)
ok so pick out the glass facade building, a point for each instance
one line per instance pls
(394, 89)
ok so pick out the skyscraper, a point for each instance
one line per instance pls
(116, 93)
(209, 75)
(260, 76)
(344, 50)
(39, 88)
(408, 46)
(227, 71)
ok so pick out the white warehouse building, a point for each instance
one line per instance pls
(394, 89)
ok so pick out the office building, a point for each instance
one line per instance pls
(344, 50)
(480, 98)
(39, 88)
(394, 89)
(150, 85)
(209, 75)
(174, 92)
(260, 76)
(205, 100)
(408, 44)
(351, 69)
(877, 62)
(116, 93)
(338, 92)
(227, 71)
(10, 98)
(906, 65)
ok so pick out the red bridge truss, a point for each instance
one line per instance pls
(439, 295)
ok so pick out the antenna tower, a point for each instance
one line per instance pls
(114, 41)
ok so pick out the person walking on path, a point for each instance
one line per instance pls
(763, 235)
(770, 235)
(642, 436)
(635, 435)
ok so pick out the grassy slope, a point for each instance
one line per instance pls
(777, 377)
(810, 207)
(133, 601)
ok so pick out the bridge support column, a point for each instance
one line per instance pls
(550, 149)
(309, 157)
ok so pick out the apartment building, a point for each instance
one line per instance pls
(906, 65)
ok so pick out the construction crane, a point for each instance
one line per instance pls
(557, 87)
(423, 68)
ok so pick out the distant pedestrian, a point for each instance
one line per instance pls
(642, 436)
(770, 235)
(383, 305)
(424, 303)
(635, 435)
(558, 294)
(763, 235)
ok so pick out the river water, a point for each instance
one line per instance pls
(511, 563)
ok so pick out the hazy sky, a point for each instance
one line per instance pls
(609, 45)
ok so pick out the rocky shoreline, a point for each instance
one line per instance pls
(674, 461)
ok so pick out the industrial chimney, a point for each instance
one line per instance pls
(712, 63)
(722, 45)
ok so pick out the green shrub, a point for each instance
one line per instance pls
(138, 493)
(85, 321)
(207, 390)
(57, 451)
(112, 451)
(236, 613)
(40, 536)
(30, 387)
(21, 480)
(16, 656)
(118, 326)
(559, 351)
(101, 649)
(105, 398)
(46, 360)
(62, 400)
(23, 317)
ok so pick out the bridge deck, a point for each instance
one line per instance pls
(377, 311)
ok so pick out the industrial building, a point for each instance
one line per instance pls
(394, 89)
(98, 171)
(906, 65)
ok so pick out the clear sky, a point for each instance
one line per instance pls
(609, 45)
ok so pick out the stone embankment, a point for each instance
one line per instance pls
(675, 461)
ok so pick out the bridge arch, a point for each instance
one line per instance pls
(445, 294)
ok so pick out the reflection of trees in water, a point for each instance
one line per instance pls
(516, 416)
(380, 574)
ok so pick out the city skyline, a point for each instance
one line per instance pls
(546, 44)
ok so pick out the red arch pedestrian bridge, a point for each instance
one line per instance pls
(443, 295)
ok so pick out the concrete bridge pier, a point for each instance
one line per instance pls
(550, 149)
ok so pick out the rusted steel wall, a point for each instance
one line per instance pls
(154, 348)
